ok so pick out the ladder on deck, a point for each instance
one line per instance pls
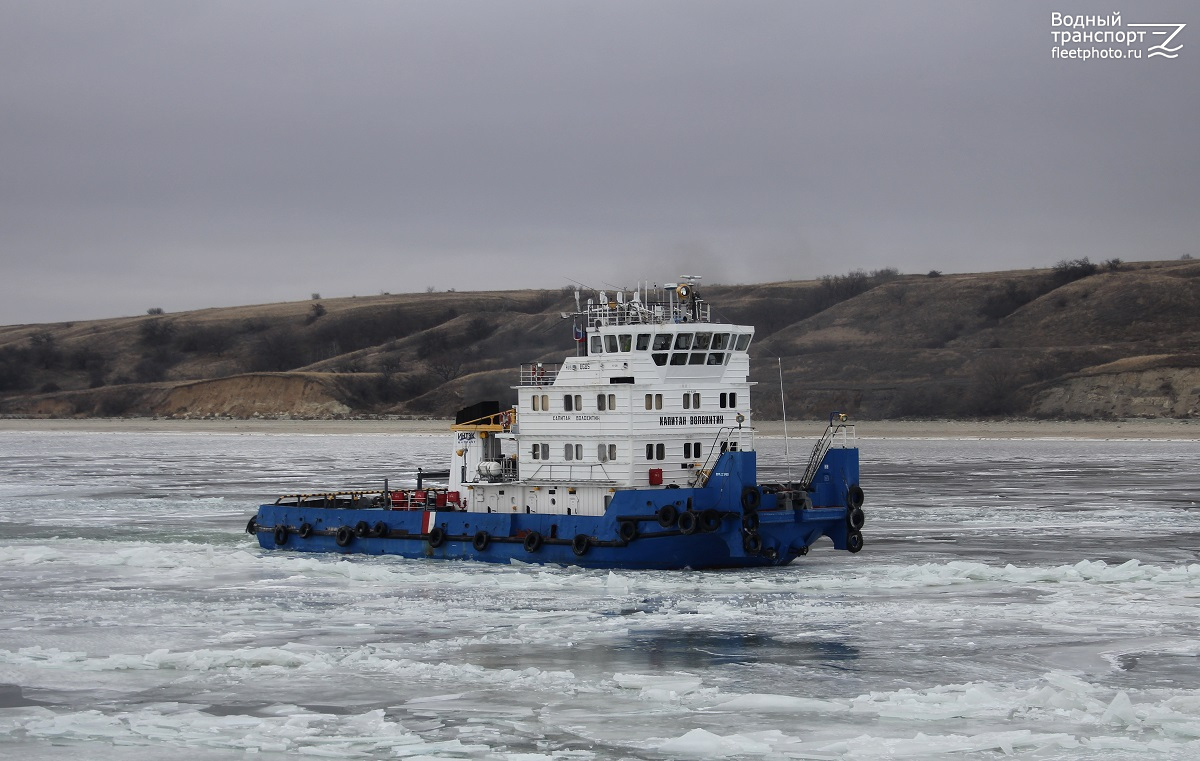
(837, 424)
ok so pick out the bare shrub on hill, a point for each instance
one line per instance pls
(1069, 271)
(315, 312)
(155, 364)
(491, 386)
(43, 350)
(276, 351)
(90, 361)
(14, 369)
(205, 339)
(1010, 298)
(995, 380)
(542, 300)
(924, 400)
(446, 365)
(156, 332)
(357, 330)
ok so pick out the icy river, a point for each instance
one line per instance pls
(1033, 598)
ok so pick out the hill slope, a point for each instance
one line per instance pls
(1073, 341)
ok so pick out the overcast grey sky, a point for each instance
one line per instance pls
(194, 154)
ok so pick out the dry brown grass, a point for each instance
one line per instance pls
(958, 345)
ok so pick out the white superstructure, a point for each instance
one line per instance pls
(656, 392)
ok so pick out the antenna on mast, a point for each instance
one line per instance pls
(783, 407)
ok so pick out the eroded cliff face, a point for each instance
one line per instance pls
(1119, 393)
(259, 395)
(266, 395)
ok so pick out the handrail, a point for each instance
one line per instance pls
(837, 425)
(539, 373)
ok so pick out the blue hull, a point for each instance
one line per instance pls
(731, 522)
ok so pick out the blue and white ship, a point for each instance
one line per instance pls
(637, 452)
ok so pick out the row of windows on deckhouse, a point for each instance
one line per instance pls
(608, 452)
(685, 348)
(608, 402)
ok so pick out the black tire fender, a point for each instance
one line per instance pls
(581, 544)
(752, 543)
(362, 528)
(437, 536)
(710, 521)
(252, 526)
(627, 530)
(533, 542)
(281, 535)
(688, 523)
(750, 522)
(854, 541)
(481, 541)
(751, 498)
(854, 497)
(344, 536)
(667, 515)
(379, 529)
(856, 518)
(305, 531)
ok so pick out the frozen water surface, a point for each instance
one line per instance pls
(1028, 598)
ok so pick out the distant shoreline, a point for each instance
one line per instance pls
(868, 429)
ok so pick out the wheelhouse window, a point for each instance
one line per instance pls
(743, 341)
(679, 358)
(702, 340)
(625, 341)
(716, 358)
(683, 341)
(697, 358)
(597, 346)
(659, 359)
(610, 344)
(643, 341)
(662, 341)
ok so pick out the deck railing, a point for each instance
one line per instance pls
(539, 373)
